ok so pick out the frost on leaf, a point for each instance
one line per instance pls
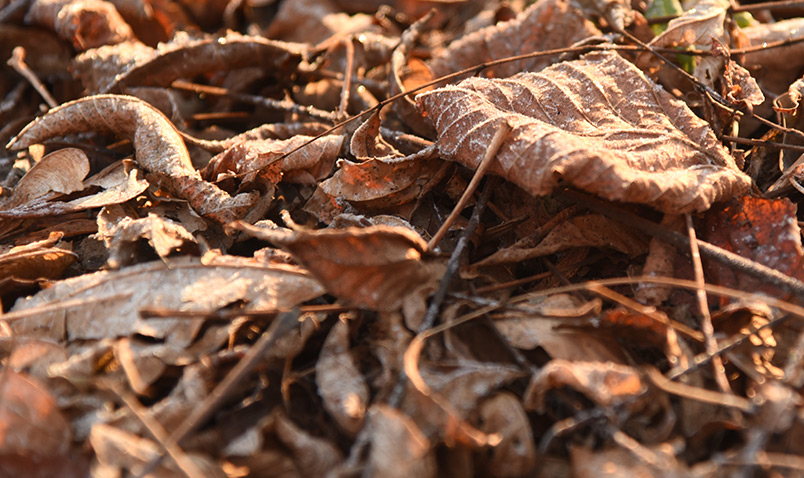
(596, 123)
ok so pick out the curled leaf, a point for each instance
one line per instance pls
(375, 267)
(597, 123)
(158, 146)
(84, 23)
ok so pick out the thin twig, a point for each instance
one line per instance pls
(17, 61)
(703, 306)
(491, 152)
(446, 281)
(280, 326)
(763, 144)
(156, 429)
(343, 107)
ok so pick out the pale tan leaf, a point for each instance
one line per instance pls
(158, 147)
(375, 267)
(265, 160)
(605, 383)
(119, 183)
(340, 383)
(398, 447)
(37, 260)
(121, 233)
(108, 303)
(597, 123)
(60, 172)
(30, 422)
(546, 25)
(697, 26)
(85, 23)
(516, 454)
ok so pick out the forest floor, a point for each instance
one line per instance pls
(424, 238)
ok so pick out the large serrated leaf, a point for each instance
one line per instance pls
(597, 123)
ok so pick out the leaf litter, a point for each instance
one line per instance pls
(203, 273)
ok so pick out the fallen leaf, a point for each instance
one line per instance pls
(121, 233)
(398, 447)
(342, 387)
(30, 422)
(159, 149)
(591, 230)
(605, 383)
(107, 303)
(697, 26)
(516, 454)
(545, 25)
(597, 123)
(84, 23)
(763, 230)
(375, 267)
(314, 456)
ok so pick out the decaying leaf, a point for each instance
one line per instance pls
(697, 26)
(159, 149)
(186, 58)
(516, 454)
(340, 384)
(30, 422)
(107, 303)
(597, 123)
(266, 158)
(314, 456)
(592, 230)
(764, 230)
(545, 25)
(36, 260)
(398, 447)
(375, 267)
(121, 233)
(61, 173)
(84, 23)
(604, 383)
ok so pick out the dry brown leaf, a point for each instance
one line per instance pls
(539, 325)
(407, 73)
(763, 230)
(121, 233)
(258, 161)
(159, 149)
(398, 447)
(605, 383)
(623, 463)
(375, 267)
(37, 192)
(778, 66)
(516, 454)
(697, 26)
(185, 58)
(60, 172)
(378, 184)
(593, 230)
(341, 386)
(108, 303)
(36, 260)
(122, 451)
(313, 456)
(84, 23)
(314, 21)
(597, 123)
(546, 25)
(30, 422)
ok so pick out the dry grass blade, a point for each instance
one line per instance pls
(158, 147)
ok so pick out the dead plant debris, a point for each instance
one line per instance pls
(338, 238)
